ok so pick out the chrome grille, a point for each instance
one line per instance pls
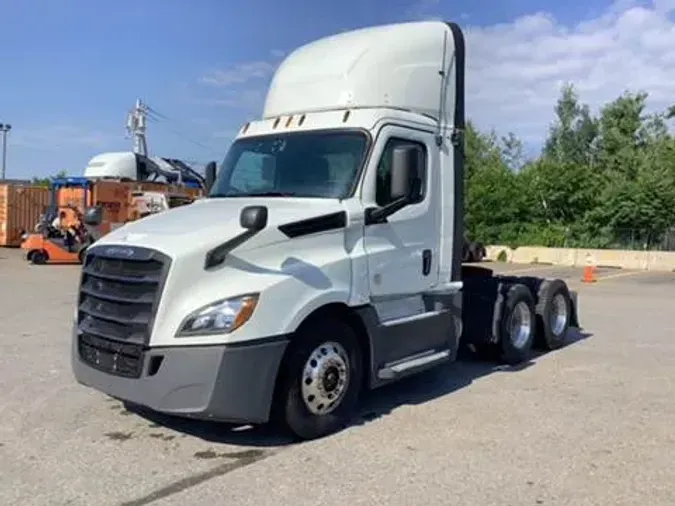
(120, 289)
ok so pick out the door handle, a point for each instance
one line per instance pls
(426, 262)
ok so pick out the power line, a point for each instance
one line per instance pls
(155, 112)
(161, 119)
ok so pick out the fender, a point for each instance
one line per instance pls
(307, 307)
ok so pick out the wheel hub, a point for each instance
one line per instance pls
(325, 378)
(558, 317)
(330, 379)
(521, 323)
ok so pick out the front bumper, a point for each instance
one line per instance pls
(224, 382)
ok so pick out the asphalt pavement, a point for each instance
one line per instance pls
(590, 424)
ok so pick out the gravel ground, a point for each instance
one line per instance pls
(591, 424)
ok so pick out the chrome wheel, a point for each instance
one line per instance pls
(325, 378)
(558, 315)
(521, 325)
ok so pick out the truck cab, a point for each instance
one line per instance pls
(326, 258)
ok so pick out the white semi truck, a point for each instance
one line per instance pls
(326, 259)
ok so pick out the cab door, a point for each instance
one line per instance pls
(403, 253)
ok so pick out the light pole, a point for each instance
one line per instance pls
(4, 128)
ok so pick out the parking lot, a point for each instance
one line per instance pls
(590, 424)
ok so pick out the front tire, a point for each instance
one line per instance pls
(39, 257)
(321, 379)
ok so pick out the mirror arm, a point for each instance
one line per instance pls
(217, 255)
(379, 214)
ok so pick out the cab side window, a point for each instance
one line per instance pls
(383, 177)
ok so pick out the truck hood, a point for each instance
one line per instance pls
(208, 222)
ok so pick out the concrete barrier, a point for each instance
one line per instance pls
(578, 257)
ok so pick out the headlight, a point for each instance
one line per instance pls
(219, 317)
(24, 237)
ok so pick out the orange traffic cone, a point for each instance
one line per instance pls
(589, 274)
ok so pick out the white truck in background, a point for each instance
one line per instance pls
(326, 258)
(130, 166)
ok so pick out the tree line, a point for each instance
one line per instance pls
(601, 181)
(47, 181)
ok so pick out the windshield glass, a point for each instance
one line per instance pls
(294, 164)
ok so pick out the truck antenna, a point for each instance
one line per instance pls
(137, 126)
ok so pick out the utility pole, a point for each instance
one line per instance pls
(136, 126)
(4, 128)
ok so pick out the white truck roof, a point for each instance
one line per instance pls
(392, 66)
(112, 164)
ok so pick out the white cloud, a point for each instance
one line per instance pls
(243, 86)
(245, 72)
(515, 70)
(240, 74)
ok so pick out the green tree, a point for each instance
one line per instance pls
(572, 136)
(603, 181)
(621, 123)
(513, 151)
(46, 181)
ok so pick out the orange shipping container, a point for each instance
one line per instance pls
(20, 210)
(115, 198)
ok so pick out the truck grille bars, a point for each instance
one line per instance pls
(120, 289)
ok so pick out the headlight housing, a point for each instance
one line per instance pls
(220, 317)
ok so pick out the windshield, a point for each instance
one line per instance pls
(294, 164)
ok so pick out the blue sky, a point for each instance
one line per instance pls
(71, 69)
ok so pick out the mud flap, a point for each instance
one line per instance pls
(574, 317)
(502, 289)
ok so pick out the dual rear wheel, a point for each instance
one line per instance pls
(525, 323)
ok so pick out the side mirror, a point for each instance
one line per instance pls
(210, 175)
(405, 169)
(253, 218)
(93, 216)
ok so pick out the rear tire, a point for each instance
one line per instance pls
(321, 379)
(477, 252)
(39, 257)
(466, 253)
(553, 312)
(517, 325)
